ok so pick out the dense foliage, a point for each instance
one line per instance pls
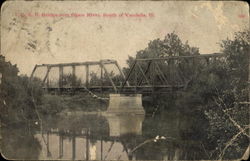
(214, 99)
(17, 95)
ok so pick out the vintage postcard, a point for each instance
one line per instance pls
(124, 80)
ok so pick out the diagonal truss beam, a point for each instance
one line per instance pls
(143, 74)
(128, 76)
(162, 76)
(121, 72)
(146, 72)
(46, 76)
(110, 79)
(33, 71)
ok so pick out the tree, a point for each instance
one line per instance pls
(177, 70)
(17, 110)
(228, 115)
(215, 100)
(17, 94)
(171, 45)
(71, 80)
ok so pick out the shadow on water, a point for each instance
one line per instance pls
(19, 143)
(105, 137)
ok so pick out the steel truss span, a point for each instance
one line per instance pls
(151, 75)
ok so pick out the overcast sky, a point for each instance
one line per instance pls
(35, 39)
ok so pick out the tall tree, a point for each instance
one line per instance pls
(229, 114)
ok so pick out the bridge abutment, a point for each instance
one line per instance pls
(122, 103)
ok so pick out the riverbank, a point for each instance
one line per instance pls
(79, 103)
(55, 104)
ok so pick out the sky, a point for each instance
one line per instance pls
(43, 32)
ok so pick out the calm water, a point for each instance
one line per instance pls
(102, 137)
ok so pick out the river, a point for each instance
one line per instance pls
(98, 136)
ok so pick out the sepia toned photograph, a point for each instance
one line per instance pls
(124, 80)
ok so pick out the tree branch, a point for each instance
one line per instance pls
(230, 142)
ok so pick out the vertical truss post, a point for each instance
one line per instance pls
(195, 65)
(135, 77)
(48, 151)
(73, 75)
(178, 75)
(87, 76)
(101, 148)
(47, 83)
(60, 77)
(185, 66)
(73, 147)
(181, 74)
(87, 145)
(60, 146)
(101, 78)
(207, 60)
(171, 71)
(153, 75)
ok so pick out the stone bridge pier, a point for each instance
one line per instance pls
(122, 104)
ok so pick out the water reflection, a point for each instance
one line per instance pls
(80, 147)
(124, 124)
(19, 143)
(109, 137)
(89, 140)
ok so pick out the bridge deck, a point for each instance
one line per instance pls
(110, 89)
